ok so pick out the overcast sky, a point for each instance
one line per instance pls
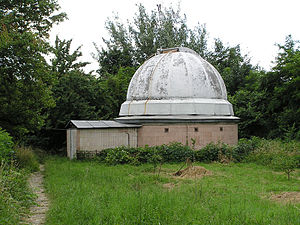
(256, 25)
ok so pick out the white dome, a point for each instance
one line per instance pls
(176, 82)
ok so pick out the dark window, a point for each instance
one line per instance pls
(196, 129)
(166, 130)
(221, 128)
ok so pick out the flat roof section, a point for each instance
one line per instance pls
(99, 124)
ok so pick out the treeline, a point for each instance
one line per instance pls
(38, 98)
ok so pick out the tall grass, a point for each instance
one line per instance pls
(91, 193)
(26, 158)
(15, 165)
(267, 150)
(15, 195)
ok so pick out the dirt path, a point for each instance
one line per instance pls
(38, 211)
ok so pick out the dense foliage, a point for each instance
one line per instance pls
(25, 80)
(6, 147)
(15, 165)
(276, 154)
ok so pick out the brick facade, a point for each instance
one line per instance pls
(202, 133)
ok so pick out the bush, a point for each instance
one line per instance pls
(26, 158)
(284, 162)
(6, 146)
(252, 150)
(209, 153)
(244, 147)
(118, 155)
(141, 155)
(15, 197)
(212, 152)
(175, 152)
(269, 151)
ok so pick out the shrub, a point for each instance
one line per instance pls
(141, 154)
(252, 150)
(175, 152)
(26, 159)
(284, 162)
(244, 147)
(118, 155)
(6, 146)
(101, 155)
(155, 158)
(209, 153)
(225, 153)
(270, 151)
(218, 152)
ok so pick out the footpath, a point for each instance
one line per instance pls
(38, 212)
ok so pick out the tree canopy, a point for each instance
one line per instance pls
(25, 80)
(130, 44)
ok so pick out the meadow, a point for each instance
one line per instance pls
(86, 192)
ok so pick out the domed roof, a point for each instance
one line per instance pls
(177, 74)
(176, 82)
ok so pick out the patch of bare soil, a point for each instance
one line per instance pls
(169, 186)
(193, 172)
(285, 197)
(38, 211)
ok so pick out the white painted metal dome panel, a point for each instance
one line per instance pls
(176, 82)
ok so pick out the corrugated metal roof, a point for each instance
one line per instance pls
(100, 124)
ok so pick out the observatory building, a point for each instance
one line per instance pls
(175, 96)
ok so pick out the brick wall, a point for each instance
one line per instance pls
(202, 133)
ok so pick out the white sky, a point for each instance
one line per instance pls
(256, 25)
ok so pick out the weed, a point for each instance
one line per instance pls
(6, 147)
(15, 197)
(26, 158)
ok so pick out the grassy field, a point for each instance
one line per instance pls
(91, 193)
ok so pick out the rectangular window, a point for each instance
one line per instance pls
(221, 128)
(196, 129)
(166, 130)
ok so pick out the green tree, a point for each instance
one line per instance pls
(231, 64)
(119, 50)
(282, 88)
(285, 162)
(114, 88)
(25, 78)
(248, 104)
(268, 102)
(75, 94)
(74, 91)
(64, 61)
(130, 44)
(75, 97)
